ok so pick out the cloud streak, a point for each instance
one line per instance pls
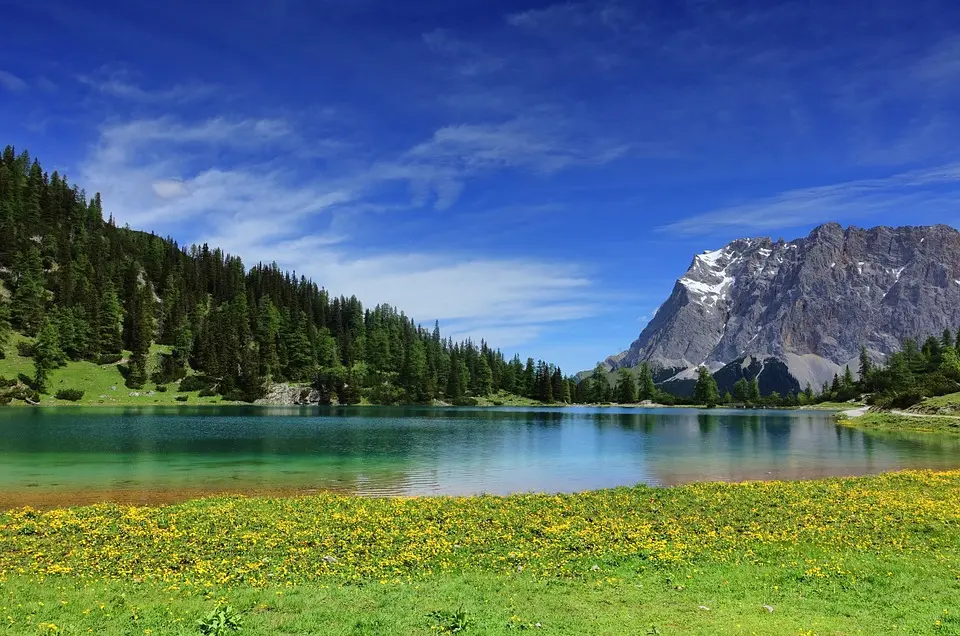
(11, 82)
(163, 173)
(912, 190)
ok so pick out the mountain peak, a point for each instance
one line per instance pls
(810, 303)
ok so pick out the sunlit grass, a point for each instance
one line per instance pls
(857, 555)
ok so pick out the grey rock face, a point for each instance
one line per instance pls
(289, 395)
(810, 303)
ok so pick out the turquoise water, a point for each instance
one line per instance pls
(76, 455)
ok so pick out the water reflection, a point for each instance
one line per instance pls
(429, 451)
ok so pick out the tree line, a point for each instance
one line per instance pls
(915, 372)
(85, 289)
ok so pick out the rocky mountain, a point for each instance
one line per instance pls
(792, 313)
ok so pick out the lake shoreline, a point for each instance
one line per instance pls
(771, 557)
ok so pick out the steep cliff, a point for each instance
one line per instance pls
(803, 308)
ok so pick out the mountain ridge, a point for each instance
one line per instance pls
(809, 303)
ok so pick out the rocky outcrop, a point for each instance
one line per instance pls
(807, 304)
(289, 394)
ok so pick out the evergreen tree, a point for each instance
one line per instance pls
(741, 390)
(47, 354)
(946, 340)
(600, 384)
(140, 326)
(647, 389)
(29, 295)
(727, 398)
(625, 390)
(559, 388)
(109, 321)
(4, 322)
(866, 367)
(753, 395)
(705, 392)
(484, 377)
(529, 373)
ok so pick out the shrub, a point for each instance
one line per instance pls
(195, 383)
(24, 393)
(161, 388)
(169, 369)
(235, 395)
(450, 622)
(223, 619)
(109, 358)
(5, 399)
(207, 392)
(3, 354)
(182, 398)
(71, 395)
(7, 383)
(25, 349)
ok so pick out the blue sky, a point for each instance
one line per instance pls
(534, 173)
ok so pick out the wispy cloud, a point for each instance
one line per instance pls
(469, 59)
(118, 84)
(455, 153)
(917, 190)
(11, 82)
(164, 173)
(160, 172)
(572, 14)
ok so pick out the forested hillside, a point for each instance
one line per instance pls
(84, 289)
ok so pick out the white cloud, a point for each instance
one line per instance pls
(913, 191)
(567, 15)
(11, 82)
(118, 84)
(164, 174)
(169, 189)
(454, 153)
(506, 301)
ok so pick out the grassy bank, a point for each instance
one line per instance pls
(863, 555)
(102, 384)
(894, 422)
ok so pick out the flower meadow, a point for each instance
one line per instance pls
(809, 528)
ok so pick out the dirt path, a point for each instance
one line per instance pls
(864, 409)
(908, 414)
(855, 412)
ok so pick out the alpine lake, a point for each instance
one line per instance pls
(69, 456)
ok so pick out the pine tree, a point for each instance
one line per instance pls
(705, 392)
(29, 296)
(866, 367)
(741, 390)
(558, 387)
(484, 377)
(529, 373)
(753, 395)
(4, 323)
(47, 354)
(600, 384)
(625, 390)
(140, 326)
(109, 320)
(565, 395)
(647, 389)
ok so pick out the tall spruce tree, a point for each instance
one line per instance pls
(47, 354)
(705, 392)
(647, 389)
(625, 391)
(29, 295)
